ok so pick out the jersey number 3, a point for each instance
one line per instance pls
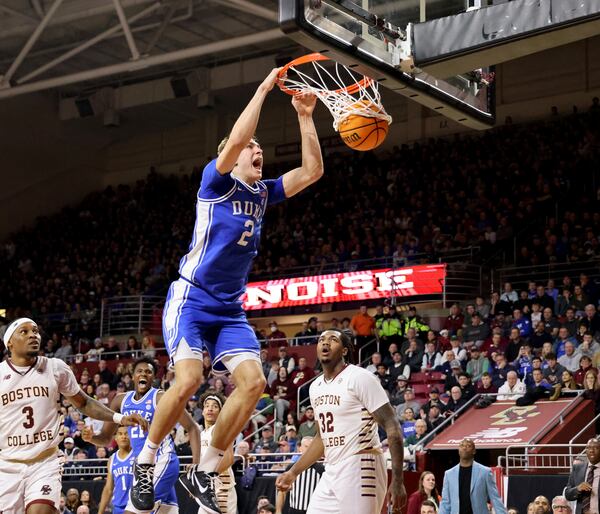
(326, 422)
(28, 411)
(247, 234)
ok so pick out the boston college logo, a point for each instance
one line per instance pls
(46, 490)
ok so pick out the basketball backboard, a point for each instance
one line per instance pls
(373, 36)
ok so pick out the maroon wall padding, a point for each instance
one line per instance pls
(504, 424)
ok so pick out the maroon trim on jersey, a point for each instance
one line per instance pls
(22, 374)
(44, 502)
(328, 381)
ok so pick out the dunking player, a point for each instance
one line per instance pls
(349, 403)
(30, 421)
(203, 309)
(144, 400)
(212, 403)
(119, 476)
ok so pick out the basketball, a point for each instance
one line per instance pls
(363, 133)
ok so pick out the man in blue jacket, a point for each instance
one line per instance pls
(468, 486)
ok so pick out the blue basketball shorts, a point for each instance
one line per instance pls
(187, 320)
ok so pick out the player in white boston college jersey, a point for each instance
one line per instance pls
(30, 421)
(212, 402)
(349, 404)
(204, 308)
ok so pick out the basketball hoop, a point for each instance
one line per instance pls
(343, 91)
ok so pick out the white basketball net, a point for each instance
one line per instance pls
(341, 104)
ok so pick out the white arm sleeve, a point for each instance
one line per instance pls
(67, 383)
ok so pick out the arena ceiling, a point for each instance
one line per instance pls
(80, 45)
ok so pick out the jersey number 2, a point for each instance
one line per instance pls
(247, 234)
(28, 411)
(326, 422)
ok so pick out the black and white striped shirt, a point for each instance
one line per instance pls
(304, 486)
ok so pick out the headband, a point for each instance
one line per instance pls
(14, 326)
(214, 398)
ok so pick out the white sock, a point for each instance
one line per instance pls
(148, 453)
(210, 459)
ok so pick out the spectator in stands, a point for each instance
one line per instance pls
(363, 327)
(413, 356)
(267, 441)
(425, 492)
(388, 329)
(500, 371)
(477, 364)
(466, 386)
(588, 346)
(512, 389)
(384, 379)
(523, 364)
(570, 359)
(567, 383)
(468, 486)
(495, 344)
(286, 361)
(456, 347)
(559, 345)
(304, 335)
(72, 499)
(308, 428)
(375, 361)
(451, 380)
(522, 323)
(83, 509)
(542, 298)
(94, 353)
(485, 385)
(536, 313)
(509, 296)
(563, 303)
(540, 336)
(539, 389)
(591, 320)
(276, 338)
(454, 321)
(542, 504)
(585, 365)
(397, 367)
(579, 301)
(408, 403)
(301, 375)
(111, 349)
(388, 358)
(455, 402)
(477, 333)
(435, 418)
(431, 358)
(408, 422)
(434, 399)
(88, 501)
(446, 365)
(560, 505)
(106, 375)
(583, 484)
(551, 324)
(396, 394)
(414, 321)
(590, 288)
(69, 448)
(428, 507)
(553, 370)
(65, 351)
(469, 311)
(283, 393)
(481, 307)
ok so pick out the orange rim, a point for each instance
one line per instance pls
(305, 59)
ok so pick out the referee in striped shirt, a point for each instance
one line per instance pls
(303, 487)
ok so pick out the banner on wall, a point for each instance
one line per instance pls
(345, 287)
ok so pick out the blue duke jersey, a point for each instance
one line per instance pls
(122, 474)
(145, 407)
(226, 236)
(166, 471)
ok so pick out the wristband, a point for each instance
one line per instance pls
(117, 418)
